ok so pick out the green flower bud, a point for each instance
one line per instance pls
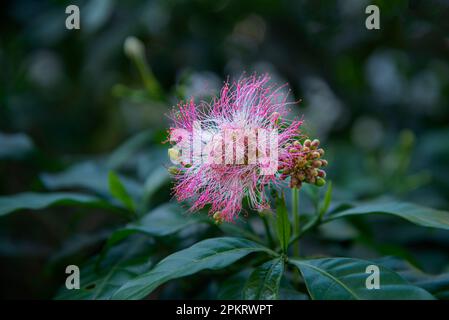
(315, 143)
(315, 155)
(322, 173)
(174, 155)
(217, 217)
(316, 163)
(320, 182)
(174, 170)
(134, 48)
(307, 143)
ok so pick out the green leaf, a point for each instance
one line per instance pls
(155, 180)
(37, 201)
(345, 279)
(102, 285)
(282, 223)
(162, 221)
(213, 254)
(15, 145)
(129, 148)
(327, 199)
(416, 214)
(76, 244)
(88, 176)
(118, 190)
(239, 230)
(263, 284)
(437, 285)
(232, 287)
(166, 219)
(288, 292)
(123, 263)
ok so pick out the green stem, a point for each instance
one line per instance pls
(295, 213)
(148, 78)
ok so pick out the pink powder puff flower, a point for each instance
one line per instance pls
(245, 114)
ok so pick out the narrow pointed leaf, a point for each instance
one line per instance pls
(125, 262)
(15, 145)
(37, 201)
(119, 191)
(88, 176)
(162, 221)
(327, 199)
(416, 214)
(213, 254)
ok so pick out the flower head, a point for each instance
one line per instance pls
(229, 149)
(303, 163)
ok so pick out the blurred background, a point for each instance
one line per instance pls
(377, 99)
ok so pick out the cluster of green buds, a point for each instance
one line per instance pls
(303, 163)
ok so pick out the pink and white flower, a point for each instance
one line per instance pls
(226, 150)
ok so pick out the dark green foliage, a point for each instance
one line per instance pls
(83, 166)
